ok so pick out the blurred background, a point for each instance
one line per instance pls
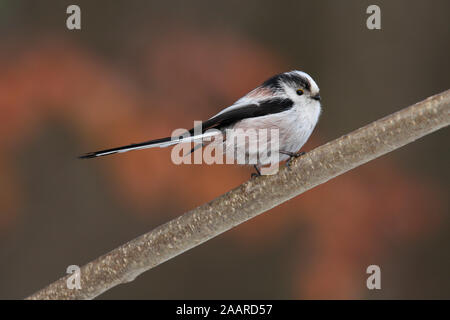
(139, 69)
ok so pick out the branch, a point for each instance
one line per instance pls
(254, 197)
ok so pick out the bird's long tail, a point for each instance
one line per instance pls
(161, 143)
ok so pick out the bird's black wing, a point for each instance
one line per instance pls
(264, 108)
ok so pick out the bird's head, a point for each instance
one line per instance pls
(296, 85)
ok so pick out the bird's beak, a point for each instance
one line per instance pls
(316, 97)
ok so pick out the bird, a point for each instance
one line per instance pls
(289, 103)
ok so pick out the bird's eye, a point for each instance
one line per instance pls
(299, 92)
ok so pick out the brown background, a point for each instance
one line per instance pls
(139, 69)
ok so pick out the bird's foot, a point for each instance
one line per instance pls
(292, 155)
(258, 172)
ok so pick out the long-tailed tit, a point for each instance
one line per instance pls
(288, 102)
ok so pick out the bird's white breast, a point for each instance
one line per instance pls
(294, 126)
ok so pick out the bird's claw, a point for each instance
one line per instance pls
(258, 172)
(293, 156)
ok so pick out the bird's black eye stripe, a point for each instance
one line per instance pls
(275, 81)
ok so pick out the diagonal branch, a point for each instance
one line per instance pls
(254, 197)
